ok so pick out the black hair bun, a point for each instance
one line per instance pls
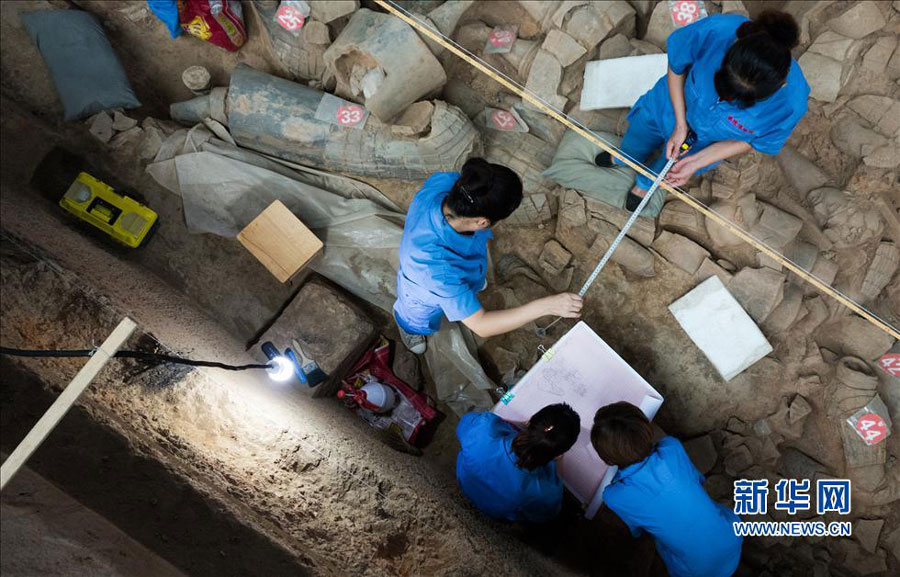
(781, 26)
(476, 176)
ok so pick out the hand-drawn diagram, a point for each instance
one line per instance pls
(559, 380)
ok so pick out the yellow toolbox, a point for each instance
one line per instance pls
(124, 219)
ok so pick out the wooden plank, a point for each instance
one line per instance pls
(65, 400)
(280, 241)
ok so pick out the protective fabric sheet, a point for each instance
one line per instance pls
(224, 187)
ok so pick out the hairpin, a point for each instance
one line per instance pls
(466, 192)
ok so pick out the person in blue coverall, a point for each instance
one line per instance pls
(510, 473)
(659, 491)
(730, 80)
(443, 256)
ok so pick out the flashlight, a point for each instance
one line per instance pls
(280, 369)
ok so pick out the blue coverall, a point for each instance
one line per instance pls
(698, 49)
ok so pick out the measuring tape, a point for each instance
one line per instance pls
(538, 103)
(685, 146)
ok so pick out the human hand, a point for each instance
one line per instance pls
(566, 305)
(681, 171)
(673, 145)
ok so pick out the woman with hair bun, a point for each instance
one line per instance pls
(730, 80)
(443, 256)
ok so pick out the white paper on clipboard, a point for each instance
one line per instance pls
(583, 371)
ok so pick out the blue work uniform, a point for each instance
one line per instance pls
(441, 270)
(664, 496)
(488, 475)
(699, 49)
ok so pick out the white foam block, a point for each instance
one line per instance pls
(583, 371)
(718, 325)
(619, 82)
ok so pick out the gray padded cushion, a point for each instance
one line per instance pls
(573, 167)
(86, 72)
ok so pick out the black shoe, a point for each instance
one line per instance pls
(632, 201)
(604, 160)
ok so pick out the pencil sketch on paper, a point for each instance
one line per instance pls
(559, 380)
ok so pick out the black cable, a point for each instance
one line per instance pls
(128, 355)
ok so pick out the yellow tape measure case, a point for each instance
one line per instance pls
(122, 218)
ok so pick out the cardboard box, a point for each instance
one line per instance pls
(280, 241)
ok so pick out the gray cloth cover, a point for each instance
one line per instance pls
(574, 167)
(85, 70)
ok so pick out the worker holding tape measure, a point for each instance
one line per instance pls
(733, 82)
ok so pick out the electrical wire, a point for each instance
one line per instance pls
(58, 353)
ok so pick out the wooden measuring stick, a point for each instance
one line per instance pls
(686, 198)
(65, 400)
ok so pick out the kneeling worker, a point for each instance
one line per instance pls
(443, 256)
(658, 490)
(510, 473)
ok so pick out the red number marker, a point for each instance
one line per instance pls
(501, 38)
(872, 428)
(349, 114)
(289, 17)
(890, 363)
(685, 12)
(503, 120)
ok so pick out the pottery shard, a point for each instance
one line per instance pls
(326, 11)
(415, 120)
(554, 257)
(833, 45)
(798, 409)
(784, 315)
(616, 46)
(776, 227)
(758, 290)
(867, 532)
(680, 251)
(852, 137)
(677, 216)
(101, 126)
(660, 25)
(801, 173)
(881, 270)
(823, 74)
(848, 221)
(544, 77)
(739, 460)
(122, 123)
(708, 268)
(590, 24)
(702, 452)
(859, 21)
(742, 212)
(877, 57)
(855, 336)
(643, 230)
(802, 254)
(566, 49)
(629, 254)
(882, 112)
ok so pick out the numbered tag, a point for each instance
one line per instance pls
(350, 114)
(505, 120)
(890, 363)
(872, 423)
(501, 39)
(686, 12)
(341, 112)
(871, 428)
(291, 15)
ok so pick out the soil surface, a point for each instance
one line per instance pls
(222, 474)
